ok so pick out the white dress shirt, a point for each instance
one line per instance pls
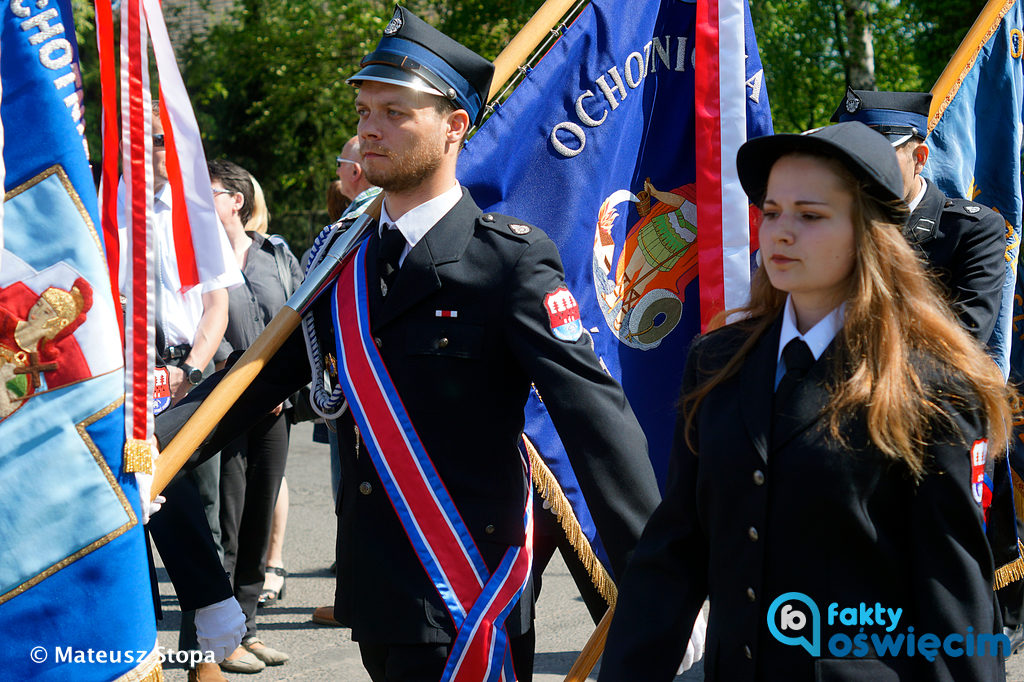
(418, 221)
(817, 337)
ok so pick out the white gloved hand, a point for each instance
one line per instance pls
(695, 648)
(220, 627)
(145, 484)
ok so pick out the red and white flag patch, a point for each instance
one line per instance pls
(563, 315)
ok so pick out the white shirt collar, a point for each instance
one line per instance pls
(817, 337)
(920, 195)
(418, 221)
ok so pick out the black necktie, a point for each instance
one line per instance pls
(798, 359)
(392, 243)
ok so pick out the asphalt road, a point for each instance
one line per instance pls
(322, 653)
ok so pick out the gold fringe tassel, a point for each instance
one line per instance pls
(138, 456)
(1011, 572)
(148, 670)
(549, 489)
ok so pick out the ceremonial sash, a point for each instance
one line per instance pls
(477, 601)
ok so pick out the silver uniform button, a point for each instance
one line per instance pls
(751, 595)
(752, 533)
(747, 652)
(442, 342)
(758, 477)
(489, 529)
(378, 341)
(365, 488)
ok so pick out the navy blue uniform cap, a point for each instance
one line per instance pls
(414, 54)
(897, 115)
(865, 153)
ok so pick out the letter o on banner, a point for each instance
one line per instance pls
(633, 80)
(47, 50)
(576, 131)
(1016, 43)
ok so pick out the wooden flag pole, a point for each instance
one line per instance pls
(592, 651)
(220, 400)
(948, 83)
(526, 41)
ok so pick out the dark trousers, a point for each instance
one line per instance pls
(250, 477)
(548, 536)
(425, 662)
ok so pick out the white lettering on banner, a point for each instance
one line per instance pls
(55, 54)
(569, 138)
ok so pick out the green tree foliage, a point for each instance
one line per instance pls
(268, 85)
(804, 47)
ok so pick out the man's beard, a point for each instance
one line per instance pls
(408, 172)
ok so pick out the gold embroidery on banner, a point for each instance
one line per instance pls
(549, 489)
(138, 456)
(132, 519)
(148, 670)
(70, 189)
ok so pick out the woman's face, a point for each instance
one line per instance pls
(807, 240)
(226, 203)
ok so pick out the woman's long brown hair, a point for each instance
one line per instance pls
(893, 310)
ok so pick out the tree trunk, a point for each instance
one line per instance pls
(860, 49)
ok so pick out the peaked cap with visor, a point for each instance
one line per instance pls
(414, 54)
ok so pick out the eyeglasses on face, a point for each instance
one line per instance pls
(342, 160)
(217, 190)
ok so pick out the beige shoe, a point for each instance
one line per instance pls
(206, 672)
(324, 615)
(246, 663)
(263, 652)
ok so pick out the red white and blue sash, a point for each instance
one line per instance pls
(477, 600)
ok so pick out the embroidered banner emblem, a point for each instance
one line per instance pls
(564, 315)
(477, 601)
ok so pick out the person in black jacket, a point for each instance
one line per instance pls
(827, 480)
(963, 243)
(466, 310)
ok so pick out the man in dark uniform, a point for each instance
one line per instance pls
(963, 242)
(465, 310)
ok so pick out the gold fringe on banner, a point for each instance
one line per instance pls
(138, 456)
(148, 670)
(549, 489)
(1011, 572)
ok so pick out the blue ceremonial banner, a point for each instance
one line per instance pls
(596, 147)
(975, 147)
(975, 153)
(75, 596)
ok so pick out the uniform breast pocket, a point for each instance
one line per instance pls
(445, 339)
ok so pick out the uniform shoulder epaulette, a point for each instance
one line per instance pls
(966, 207)
(513, 227)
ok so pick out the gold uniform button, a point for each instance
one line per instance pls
(758, 477)
(752, 534)
(747, 652)
(442, 342)
(365, 488)
(751, 595)
(489, 529)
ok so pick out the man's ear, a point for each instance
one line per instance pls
(920, 158)
(458, 126)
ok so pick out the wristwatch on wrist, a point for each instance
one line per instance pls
(194, 375)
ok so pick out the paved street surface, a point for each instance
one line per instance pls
(321, 653)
